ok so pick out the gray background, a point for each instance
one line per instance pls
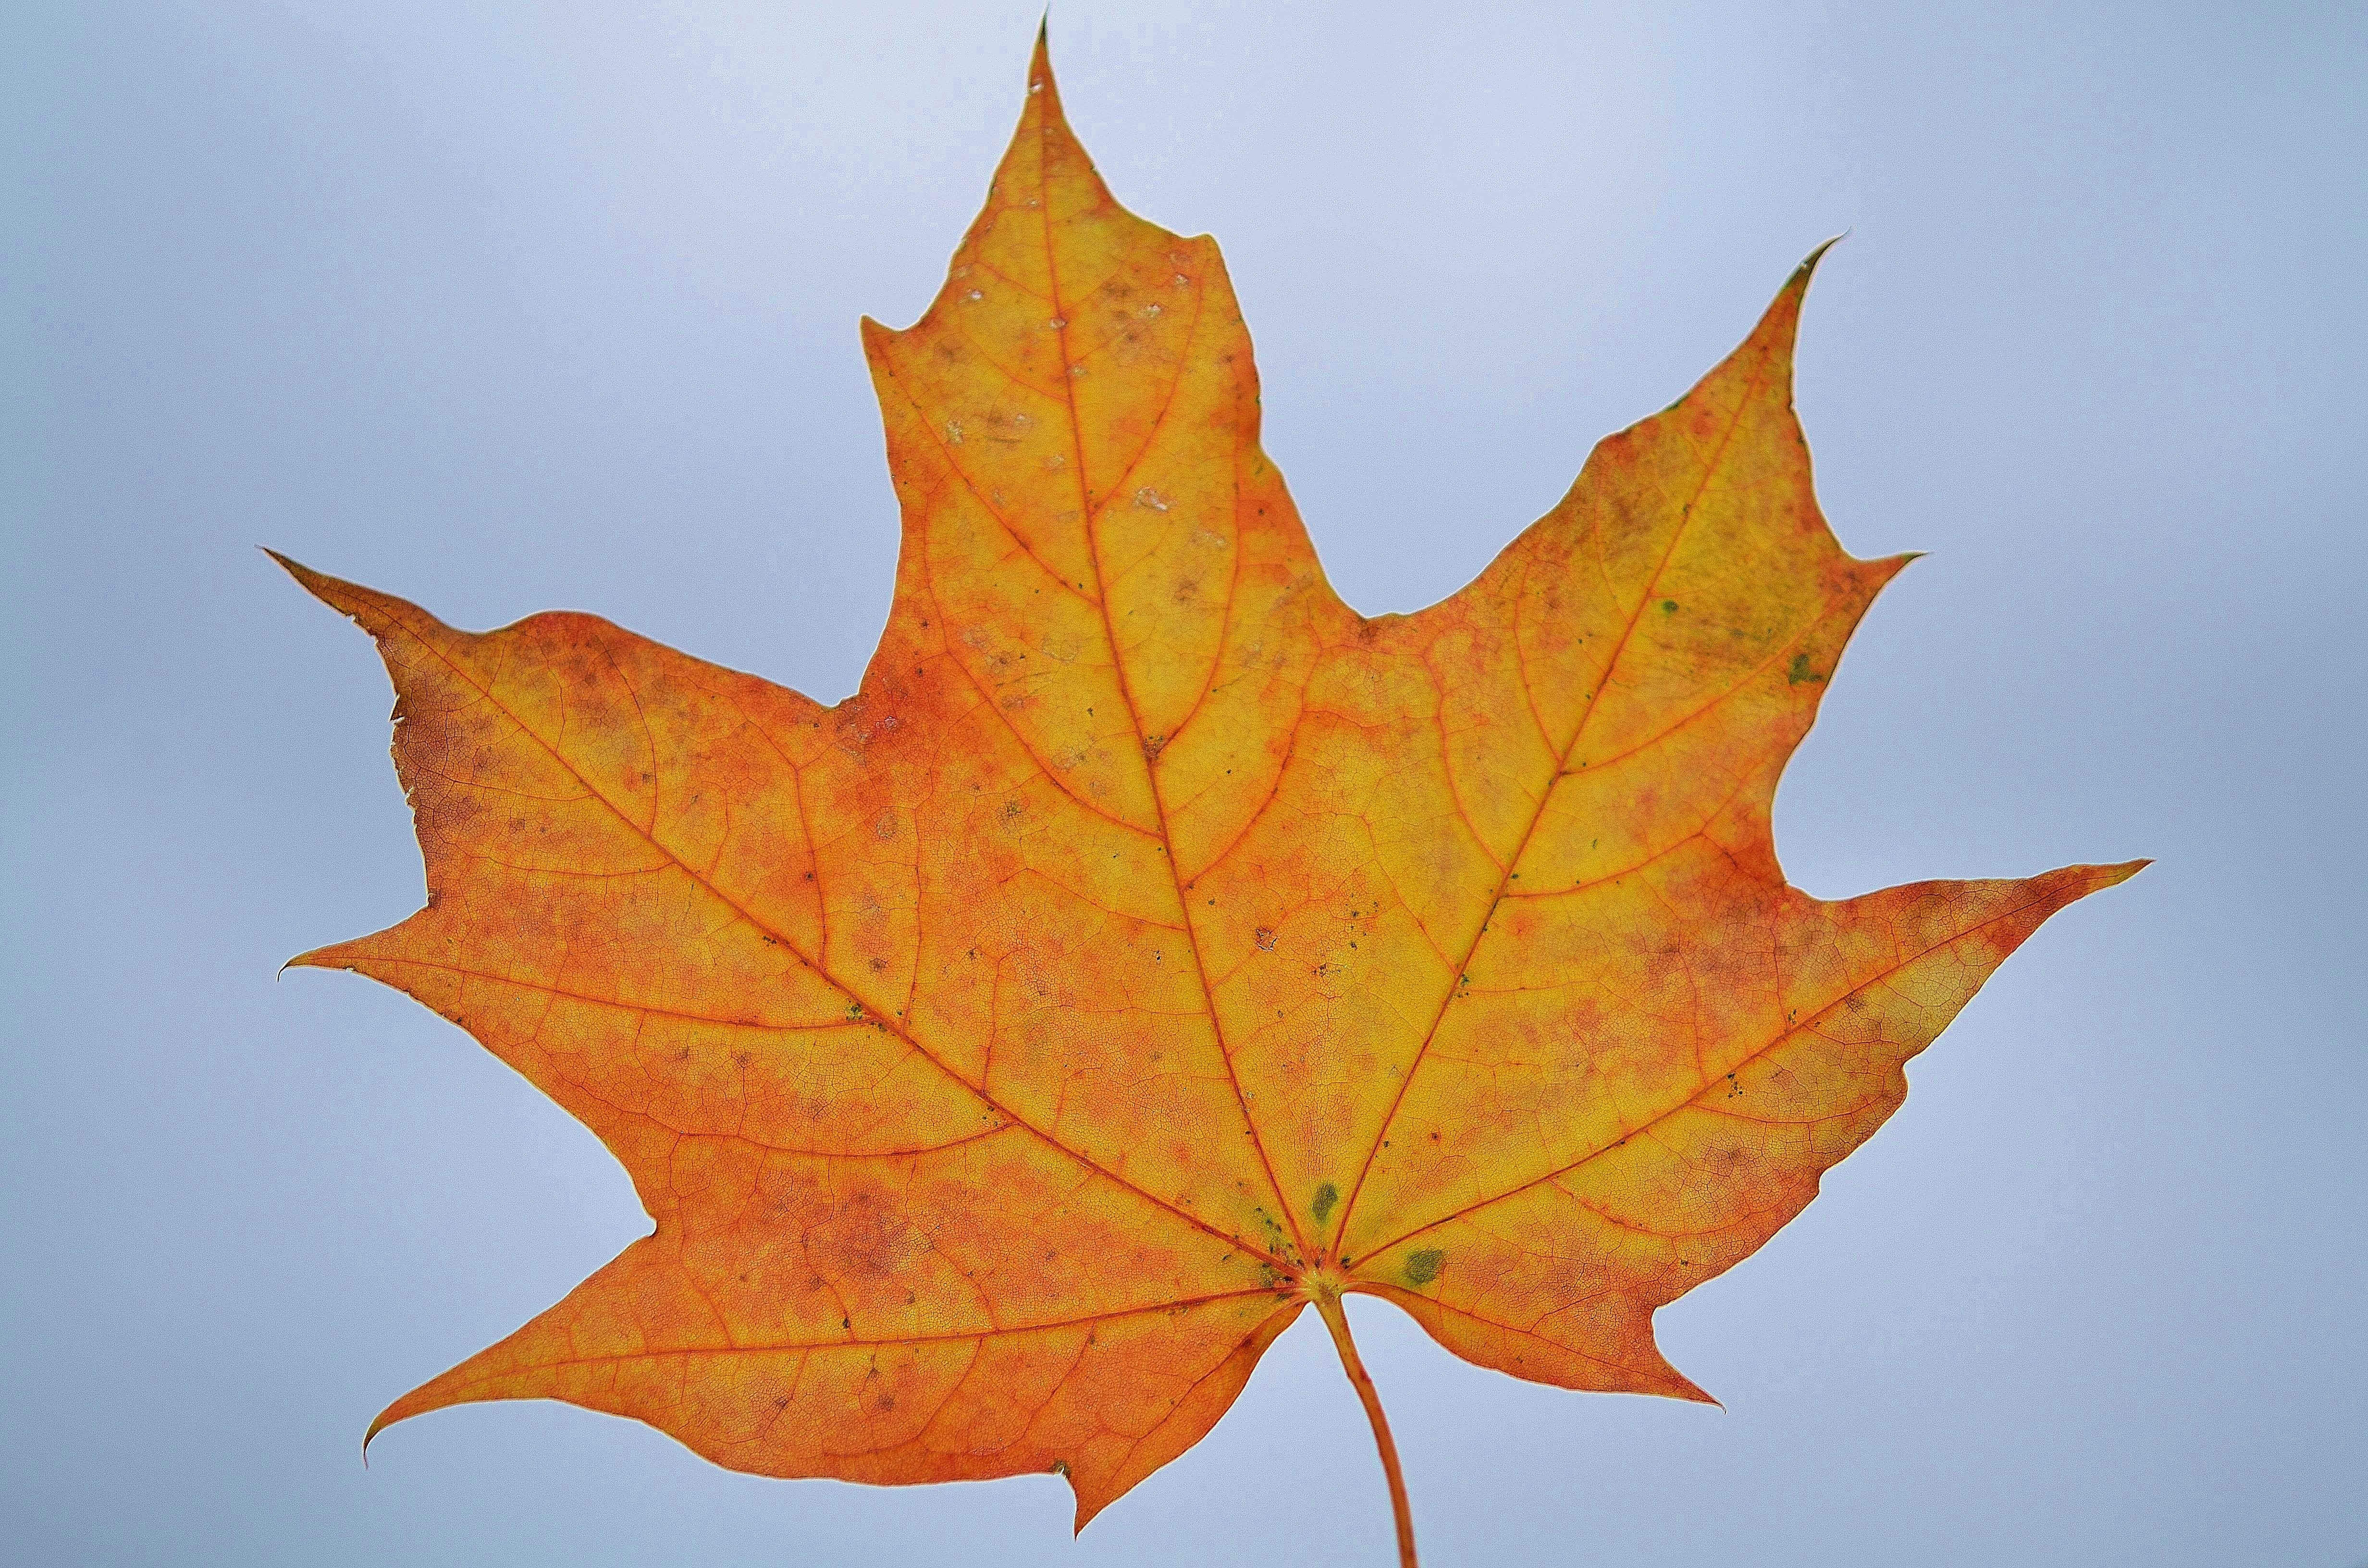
(509, 307)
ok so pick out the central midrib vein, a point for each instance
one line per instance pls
(1087, 511)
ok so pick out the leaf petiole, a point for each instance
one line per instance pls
(1327, 1301)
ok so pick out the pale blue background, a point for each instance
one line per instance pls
(509, 307)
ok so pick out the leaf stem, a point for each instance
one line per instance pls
(1328, 1303)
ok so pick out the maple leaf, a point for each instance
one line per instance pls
(1154, 946)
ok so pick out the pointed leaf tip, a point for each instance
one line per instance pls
(319, 585)
(287, 563)
(1044, 90)
(1809, 262)
(384, 1419)
(1781, 320)
(1040, 62)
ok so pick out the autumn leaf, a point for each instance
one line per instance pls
(1154, 946)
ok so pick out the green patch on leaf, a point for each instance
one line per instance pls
(1422, 1267)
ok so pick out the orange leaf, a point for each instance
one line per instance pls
(1155, 946)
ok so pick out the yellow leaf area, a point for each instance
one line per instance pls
(1154, 945)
